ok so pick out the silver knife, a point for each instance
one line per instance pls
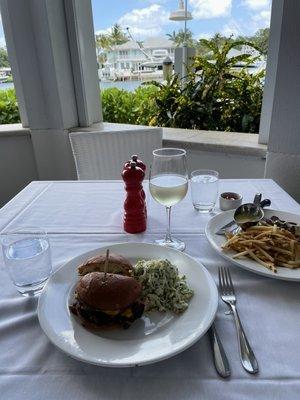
(219, 355)
(226, 227)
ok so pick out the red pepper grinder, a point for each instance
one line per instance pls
(134, 205)
(141, 165)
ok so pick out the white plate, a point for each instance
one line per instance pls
(217, 240)
(153, 338)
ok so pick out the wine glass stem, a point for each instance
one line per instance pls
(168, 233)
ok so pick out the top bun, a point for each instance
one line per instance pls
(116, 265)
(111, 293)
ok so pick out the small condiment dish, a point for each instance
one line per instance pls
(230, 201)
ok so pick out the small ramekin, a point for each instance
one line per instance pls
(230, 201)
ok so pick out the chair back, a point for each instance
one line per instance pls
(101, 154)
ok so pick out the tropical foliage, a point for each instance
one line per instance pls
(178, 38)
(3, 58)
(259, 40)
(215, 96)
(115, 36)
(9, 112)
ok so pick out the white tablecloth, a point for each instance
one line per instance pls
(80, 216)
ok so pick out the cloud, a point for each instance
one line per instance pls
(148, 21)
(204, 9)
(152, 1)
(257, 4)
(103, 31)
(204, 35)
(232, 27)
(262, 18)
(237, 27)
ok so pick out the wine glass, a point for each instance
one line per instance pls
(168, 183)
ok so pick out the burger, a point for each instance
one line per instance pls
(107, 300)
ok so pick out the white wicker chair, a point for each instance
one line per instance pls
(101, 155)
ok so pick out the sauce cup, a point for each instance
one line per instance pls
(230, 201)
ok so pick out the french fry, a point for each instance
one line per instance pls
(241, 254)
(270, 246)
(267, 265)
(267, 255)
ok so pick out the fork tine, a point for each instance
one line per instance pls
(222, 280)
(230, 281)
(229, 287)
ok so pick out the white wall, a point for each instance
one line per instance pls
(282, 94)
(17, 164)
(51, 49)
(228, 165)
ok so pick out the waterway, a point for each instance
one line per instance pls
(127, 85)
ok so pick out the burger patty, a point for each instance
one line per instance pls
(100, 318)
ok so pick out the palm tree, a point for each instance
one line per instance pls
(103, 41)
(117, 36)
(178, 38)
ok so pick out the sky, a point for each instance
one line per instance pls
(151, 17)
(147, 18)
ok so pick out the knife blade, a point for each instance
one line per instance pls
(226, 227)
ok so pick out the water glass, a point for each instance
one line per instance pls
(27, 257)
(204, 188)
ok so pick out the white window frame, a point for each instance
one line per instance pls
(82, 108)
(271, 76)
(63, 60)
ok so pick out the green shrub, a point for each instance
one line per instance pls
(118, 106)
(242, 112)
(145, 105)
(9, 111)
(136, 107)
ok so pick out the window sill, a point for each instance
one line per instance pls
(13, 130)
(209, 141)
(212, 141)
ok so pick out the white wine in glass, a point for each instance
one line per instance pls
(168, 185)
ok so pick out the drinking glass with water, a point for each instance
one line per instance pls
(204, 188)
(27, 257)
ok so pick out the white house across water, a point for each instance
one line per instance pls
(137, 61)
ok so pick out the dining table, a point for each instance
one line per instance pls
(79, 216)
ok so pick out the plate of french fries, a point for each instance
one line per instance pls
(267, 248)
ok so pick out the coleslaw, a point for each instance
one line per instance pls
(163, 288)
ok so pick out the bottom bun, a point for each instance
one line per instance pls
(110, 323)
(97, 328)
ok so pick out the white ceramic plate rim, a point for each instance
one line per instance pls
(221, 219)
(193, 337)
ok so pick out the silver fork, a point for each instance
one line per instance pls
(228, 296)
